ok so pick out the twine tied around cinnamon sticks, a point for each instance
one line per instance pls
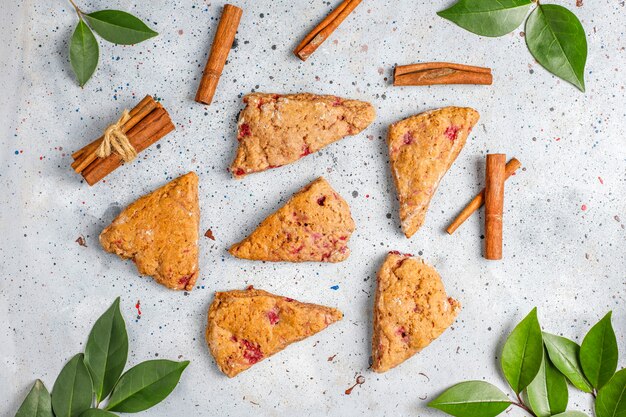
(137, 129)
(114, 139)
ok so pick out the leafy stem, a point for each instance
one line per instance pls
(78, 11)
(523, 406)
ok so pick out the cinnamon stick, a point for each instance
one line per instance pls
(479, 200)
(224, 38)
(431, 73)
(322, 31)
(148, 131)
(494, 205)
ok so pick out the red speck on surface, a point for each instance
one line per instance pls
(557, 139)
(138, 307)
(321, 200)
(305, 151)
(252, 353)
(289, 300)
(298, 249)
(244, 130)
(601, 180)
(337, 102)
(272, 316)
(452, 132)
(276, 96)
(583, 207)
(408, 138)
(81, 241)
(343, 237)
(233, 338)
(250, 287)
(209, 234)
(359, 381)
(239, 172)
(180, 31)
(367, 196)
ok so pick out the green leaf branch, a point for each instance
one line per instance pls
(538, 367)
(554, 35)
(114, 26)
(88, 379)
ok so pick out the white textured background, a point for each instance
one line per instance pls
(569, 262)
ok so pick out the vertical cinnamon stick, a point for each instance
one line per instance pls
(224, 38)
(322, 31)
(494, 205)
(479, 200)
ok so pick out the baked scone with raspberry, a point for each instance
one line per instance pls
(314, 225)
(411, 310)
(275, 130)
(421, 150)
(159, 232)
(245, 327)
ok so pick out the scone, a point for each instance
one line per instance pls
(411, 310)
(314, 225)
(421, 150)
(159, 232)
(275, 130)
(245, 327)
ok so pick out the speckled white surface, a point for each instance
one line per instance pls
(569, 262)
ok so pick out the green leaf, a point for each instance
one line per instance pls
(107, 350)
(145, 385)
(72, 391)
(97, 412)
(556, 38)
(564, 355)
(598, 353)
(571, 414)
(119, 27)
(547, 394)
(488, 17)
(611, 401)
(472, 399)
(36, 403)
(83, 53)
(523, 353)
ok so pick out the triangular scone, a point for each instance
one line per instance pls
(314, 225)
(276, 130)
(410, 311)
(421, 150)
(245, 327)
(159, 232)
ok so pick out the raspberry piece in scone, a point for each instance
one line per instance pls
(411, 310)
(275, 130)
(314, 225)
(159, 232)
(421, 150)
(245, 327)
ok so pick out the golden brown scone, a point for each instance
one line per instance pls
(245, 327)
(421, 150)
(314, 225)
(410, 311)
(275, 130)
(159, 232)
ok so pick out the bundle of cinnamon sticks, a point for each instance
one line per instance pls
(148, 122)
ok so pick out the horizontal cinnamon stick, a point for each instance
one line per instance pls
(431, 73)
(322, 31)
(148, 131)
(223, 42)
(479, 200)
(494, 205)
